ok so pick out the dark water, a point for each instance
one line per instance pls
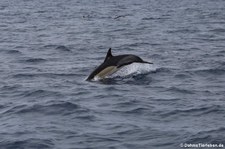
(48, 48)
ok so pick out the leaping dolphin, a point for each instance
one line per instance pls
(113, 63)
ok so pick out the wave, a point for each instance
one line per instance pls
(214, 71)
(49, 46)
(23, 75)
(182, 76)
(180, 90)
(40, 93)
(61, 48)
(154, 18)
(10, 87)
(52, 108)
(28, 143)
(218, 30)
(163, 70)
(34, 60)
(183, 30)
(29, 75)
(13, 52)
(138, 110)
(195, 111)
(214, 136)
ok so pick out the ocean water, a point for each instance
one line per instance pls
(48, 48)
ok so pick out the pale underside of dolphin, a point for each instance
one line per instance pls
(112, 64)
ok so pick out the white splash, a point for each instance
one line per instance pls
(134, 69)
(96, 78)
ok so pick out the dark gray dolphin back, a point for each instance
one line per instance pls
(128, 59)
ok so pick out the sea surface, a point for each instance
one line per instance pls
(49, 47)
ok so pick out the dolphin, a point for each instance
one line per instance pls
(112, 64)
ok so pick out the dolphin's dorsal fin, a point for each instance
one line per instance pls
(109, 55)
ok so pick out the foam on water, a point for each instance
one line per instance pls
(133, 70)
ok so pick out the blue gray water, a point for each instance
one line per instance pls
(48, 48)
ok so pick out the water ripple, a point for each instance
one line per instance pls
(47, 75)
(34, 60)
(28, 143)
(63, 108)
(195, 111)
(213, 136)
